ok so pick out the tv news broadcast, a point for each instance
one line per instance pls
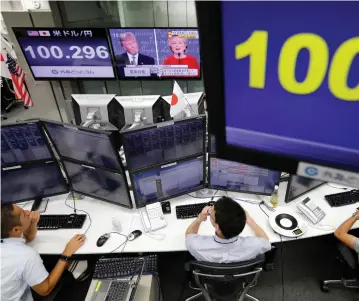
(156, 53)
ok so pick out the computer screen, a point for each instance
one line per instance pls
(86, 145)
(168, 181)
(33, 181)
(298, 186)
(21, 143)
(164, 142)
(211, 144)
(156, 53)
(282, 89)
(98, 183)
(66, 53)
(234, 176)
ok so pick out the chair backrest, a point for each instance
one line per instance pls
(225, 281)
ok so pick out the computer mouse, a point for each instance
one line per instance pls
(102, 239)
(134, 234)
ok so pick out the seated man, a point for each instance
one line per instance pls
(21, 265)
(342, 232)
(229, 219)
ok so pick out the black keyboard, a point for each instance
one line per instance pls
(118, 291)
(125, 266)
(61, 221)
(343, 198)
(189, 211)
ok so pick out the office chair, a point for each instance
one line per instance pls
(225, 281)
(350, 260)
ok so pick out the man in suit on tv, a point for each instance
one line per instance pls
(132, 55)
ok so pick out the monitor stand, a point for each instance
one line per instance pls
(40, 204)
(204, 193)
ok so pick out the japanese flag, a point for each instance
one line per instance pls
(178, 101)
(44, 33)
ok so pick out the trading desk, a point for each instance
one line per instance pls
(172, 238)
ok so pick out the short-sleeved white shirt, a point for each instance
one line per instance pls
(21, 268)
(237, 249)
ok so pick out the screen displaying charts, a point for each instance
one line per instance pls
(156, 53)
(66, 53)
(167, 141)
(228, 175)
(22, 143)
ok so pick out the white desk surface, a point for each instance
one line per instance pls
(54, 242)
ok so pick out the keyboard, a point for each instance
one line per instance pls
(124, 266)
(343, 198)
(118, 291)
(61, 221)
(189, 211)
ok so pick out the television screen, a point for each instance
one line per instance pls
(284, 93)
(63, 53)
(156, 53)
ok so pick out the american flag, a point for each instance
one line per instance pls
(18, 79)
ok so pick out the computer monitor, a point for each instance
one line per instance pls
(98, 183)
(273, 103)
(145, 109)
(164, 142)
(97, 107)
(211, 144)
(31, 182)
(298, 186)
(196, 101)
(159, 183)
(89, 146)
(234, 176)
(23, 143)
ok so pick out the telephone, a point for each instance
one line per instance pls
(152, 217)
(314, 213)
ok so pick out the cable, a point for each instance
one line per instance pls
(88, 214)
(214, 195)
(124, 243)
(23, 206)
(342, 188)
(159, 286)
(262, 209)
(161, 236)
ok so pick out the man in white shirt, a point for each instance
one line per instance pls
(342, 233)
(21, 265)
(229, 219)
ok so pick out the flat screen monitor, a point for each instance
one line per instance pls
(156, 52)
(168, 181)
(99, 183)
(31, 182)
(234, 176)
(23, 143)
(164, 142)
(297, 186)
(93, 147)
(66, 53)
(284, 93)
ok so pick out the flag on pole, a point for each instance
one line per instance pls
(18, 80)
(178, 101)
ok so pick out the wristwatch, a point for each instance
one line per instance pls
(65, 258)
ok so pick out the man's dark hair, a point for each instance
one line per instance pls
(8, 220)
(230, 217)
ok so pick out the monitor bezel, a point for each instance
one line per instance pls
(209, 16)
(63, 160)
(210, 156)
(290, 180)
(160, 125)
(42, 162)
(167, 78)
(67, 78)
(43, 133)
(133, 173)
(110, 135)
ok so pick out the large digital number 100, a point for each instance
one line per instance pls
(256, 48)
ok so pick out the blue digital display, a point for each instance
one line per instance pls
(164, 142)
(234, 176)
(87, 146)
(32, 182)
(23, 143)
(66, 53)
(99, 183)
(163, 182)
